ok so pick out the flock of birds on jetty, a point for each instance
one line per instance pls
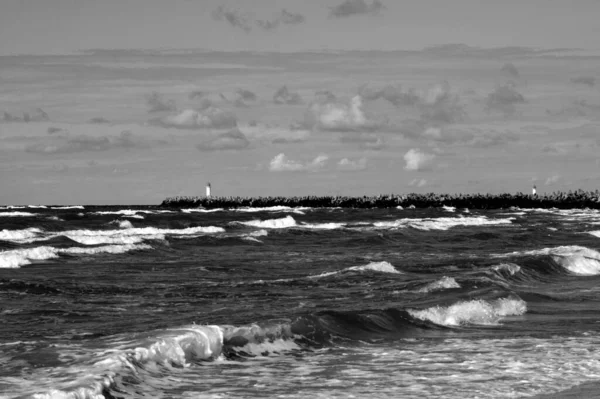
(561, 200)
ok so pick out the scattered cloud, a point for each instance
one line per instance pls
(83, 143)
(510, 70)
(243, 21)
(490, 138)
(210, 118)
(438, 105)
(35, 115)
(280, 163)
(503, 99)
(156, 103)
(285, 17)
(232, 17)
(584, 80)
(349, 165)
(552, 180)
(391, 93)
(284, 96)
(417, 183)
(340, 117)
(54, 130)
(356, 7)
(577, 109)
(99, 120)
(417, 160)
(231, 140)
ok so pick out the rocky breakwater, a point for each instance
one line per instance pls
(561, 200)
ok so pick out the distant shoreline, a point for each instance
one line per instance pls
(578, 199)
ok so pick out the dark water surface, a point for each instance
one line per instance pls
(132, 301)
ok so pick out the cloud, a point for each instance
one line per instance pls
(438, 105)
(83, 143)
(284, 18)
(284, 96)
(553, 180)
(99, 120)
(339, 117)
(233, 18)
(35, 115)
(492, 138)
(245, 22)
(417, 183)
(367, 141)
(417, 160)
(584, 80)
(393, 94)
(504, 98)
(355, 7)
(156, 103)
(577, 109)
(210, 118)
(348, 165)
(290, 18)
(510, 70)
(280, 163)
(231, 140)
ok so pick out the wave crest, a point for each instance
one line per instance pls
(472, 312)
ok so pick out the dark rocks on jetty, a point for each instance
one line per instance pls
(561, 200)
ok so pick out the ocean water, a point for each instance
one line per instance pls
(139, 301)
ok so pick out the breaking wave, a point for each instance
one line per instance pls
(472, 312)
(19, 257)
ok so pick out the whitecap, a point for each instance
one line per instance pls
(282, 223)
(441, 284)
(472, 312)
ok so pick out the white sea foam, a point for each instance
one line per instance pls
(511, 268)
(16, 214)
(130, 212)
(68, 207)
(126, 234)
(19, 257)
(278, 208)
(282, 223)
(201, 210)
(252, 235)
(322, 226)
(576, 259)
(442, 284)
(382, 267)
(134, 216)
(443, 223)
(20, 235)
(174, 348)
(472, 312)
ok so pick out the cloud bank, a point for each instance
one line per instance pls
(280, 163)
(355, 7)
(417, 160)
(210, 118)
(504, 99)
(339, 117)
(156, 103)
(231, 140)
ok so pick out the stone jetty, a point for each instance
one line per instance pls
(577, 199)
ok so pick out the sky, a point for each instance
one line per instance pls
(64, 26)
(492, 97)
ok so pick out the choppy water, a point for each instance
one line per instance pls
(125, 302)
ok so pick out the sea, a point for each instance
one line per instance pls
(144, 301)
